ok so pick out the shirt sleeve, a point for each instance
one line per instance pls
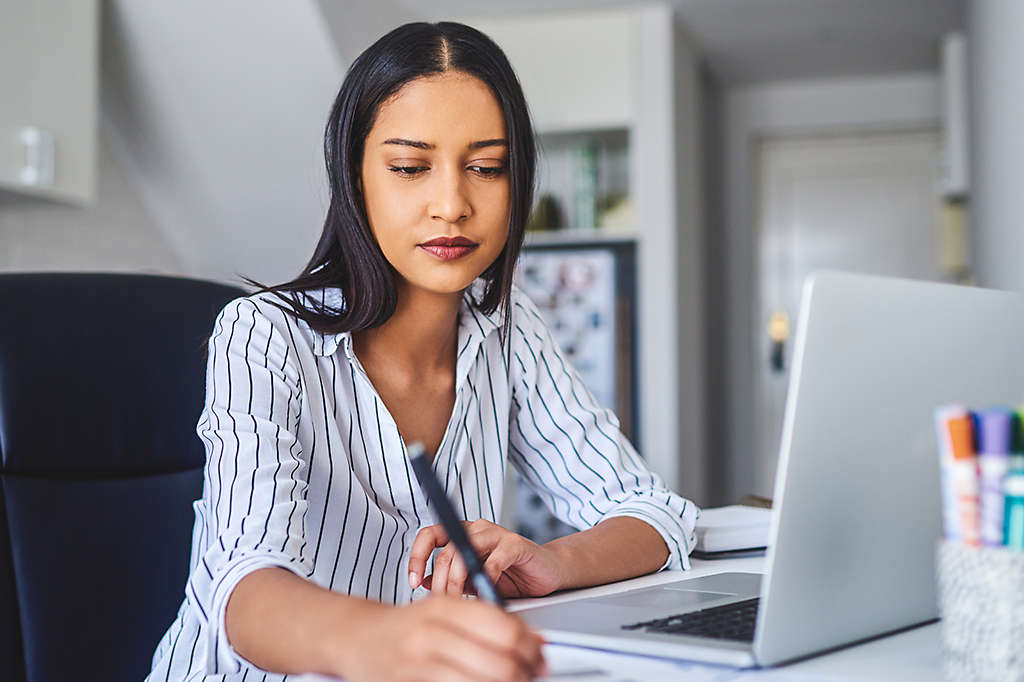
(251, 515)
(572, 451)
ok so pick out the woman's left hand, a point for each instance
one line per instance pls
(516, 566)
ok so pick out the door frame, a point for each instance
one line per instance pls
(858, 104)
(764, 465)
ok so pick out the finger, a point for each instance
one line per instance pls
(439, 578)
(502, 557)
(427, 540)
(476, 659)
(502, 631)
(457, 572)
(485, 536)
(532, 654)
(500, 560)
(481, 526)
(439, 670)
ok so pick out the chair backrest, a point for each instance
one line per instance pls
(102, 379)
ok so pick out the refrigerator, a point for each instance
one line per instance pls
(586, 294)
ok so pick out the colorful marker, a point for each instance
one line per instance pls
(950, 512)
(965, 478)
(1017, 458)
(995, 431)
(1013, 528)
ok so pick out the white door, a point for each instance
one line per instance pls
(860, 202)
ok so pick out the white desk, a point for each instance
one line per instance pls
(909, 656)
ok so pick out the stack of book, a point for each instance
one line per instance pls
(736, 530)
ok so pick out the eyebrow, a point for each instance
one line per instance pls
(479, 144)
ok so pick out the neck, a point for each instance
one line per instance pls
(420, 336)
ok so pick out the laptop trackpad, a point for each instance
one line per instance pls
(662, 598)
(688, 593)
(605, 615)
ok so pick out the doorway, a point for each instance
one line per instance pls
(863, 202)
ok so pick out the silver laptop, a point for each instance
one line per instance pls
(857, 506)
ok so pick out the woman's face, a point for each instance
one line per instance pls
(435, 181)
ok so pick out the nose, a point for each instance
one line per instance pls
(449, 201)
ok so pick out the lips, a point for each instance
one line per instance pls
(449, 241)
(448, 248)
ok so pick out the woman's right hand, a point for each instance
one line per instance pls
(441, 637)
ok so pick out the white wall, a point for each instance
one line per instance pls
(114, 233)
(692, 452)
(355, 25)
(996, 56)
(212, 161)
(577, 69)
(872, 103)
(221, 109)
(670, 424)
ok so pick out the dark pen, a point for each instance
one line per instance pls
(431, 487)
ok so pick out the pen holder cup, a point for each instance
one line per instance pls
(981, 602)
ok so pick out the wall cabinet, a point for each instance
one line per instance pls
(49, 76)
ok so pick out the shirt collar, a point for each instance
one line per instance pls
(474, 324)
(472, 317)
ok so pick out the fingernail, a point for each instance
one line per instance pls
(414, 581)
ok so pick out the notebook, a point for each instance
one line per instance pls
(735, 528)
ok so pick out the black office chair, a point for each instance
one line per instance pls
(102, 378)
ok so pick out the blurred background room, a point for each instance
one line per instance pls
(698, 159)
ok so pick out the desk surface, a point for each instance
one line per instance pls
(909, 656)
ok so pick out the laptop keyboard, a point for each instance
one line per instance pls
(733, 621)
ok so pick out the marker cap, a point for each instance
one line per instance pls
(1018, 429)
(961, 437)
(995, 431)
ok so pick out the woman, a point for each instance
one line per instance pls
(311, 542)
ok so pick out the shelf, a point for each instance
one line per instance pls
(574, 129)
(583, 180)
(568, 237)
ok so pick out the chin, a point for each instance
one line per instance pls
(443, 285)
(451, 278)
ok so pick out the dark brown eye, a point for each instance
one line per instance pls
(407, 171)
(488, 171)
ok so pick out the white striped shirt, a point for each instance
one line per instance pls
(306, 470)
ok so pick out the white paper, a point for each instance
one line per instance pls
(576, 664)
(573, 664)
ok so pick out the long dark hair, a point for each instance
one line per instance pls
(347, 255)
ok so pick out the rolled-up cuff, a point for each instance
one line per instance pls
(221, 656)
(677, 532)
